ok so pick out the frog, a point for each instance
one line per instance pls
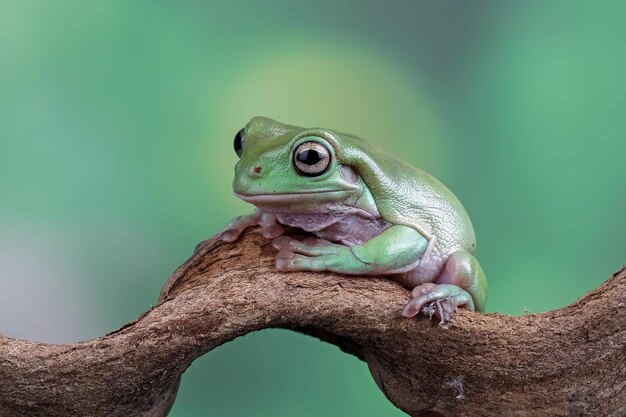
(364, 212)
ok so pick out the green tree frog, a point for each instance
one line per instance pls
(369, 213)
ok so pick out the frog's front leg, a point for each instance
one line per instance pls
(271, 227)
(462, 283)
(398, 249)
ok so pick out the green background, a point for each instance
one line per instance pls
(116, 127)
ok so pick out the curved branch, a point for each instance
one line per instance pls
(567, 362)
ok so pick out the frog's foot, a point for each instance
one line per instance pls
(271, 228)
(439, 300)
(311, 254)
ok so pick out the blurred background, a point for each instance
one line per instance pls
(116, 128)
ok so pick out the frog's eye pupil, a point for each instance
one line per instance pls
(238, 142)
(311, 158)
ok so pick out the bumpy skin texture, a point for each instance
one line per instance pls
(371, 212)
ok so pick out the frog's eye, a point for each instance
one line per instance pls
(311, 158)
(239, 137)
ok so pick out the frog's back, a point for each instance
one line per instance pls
(409, 196)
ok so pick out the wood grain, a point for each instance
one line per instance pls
(568, 362)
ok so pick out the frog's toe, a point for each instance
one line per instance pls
(439, 300)
(284, 243)
(309, 247)
(273, 230)
(287, 260)
(236, 227)
(270, 225)
(229, 235)
(443, 309)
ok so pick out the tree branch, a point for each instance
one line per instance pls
(568, 362)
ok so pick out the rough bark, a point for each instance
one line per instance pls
(568, 362)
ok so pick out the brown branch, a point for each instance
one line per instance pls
(568, 362)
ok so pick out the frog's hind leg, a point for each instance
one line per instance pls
(462, 284)
(463, 269)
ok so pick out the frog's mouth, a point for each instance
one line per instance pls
(294, 197)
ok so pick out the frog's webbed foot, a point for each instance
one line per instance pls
(269, 223)
(438, 300)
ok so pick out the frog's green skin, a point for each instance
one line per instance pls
(372, 214)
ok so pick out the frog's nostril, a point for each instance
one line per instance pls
(256, 170)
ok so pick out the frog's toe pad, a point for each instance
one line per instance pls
(286, 260)
(229, 235)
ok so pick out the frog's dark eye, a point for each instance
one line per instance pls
(311, 158)
(239, 137)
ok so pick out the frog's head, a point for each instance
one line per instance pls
(289, 167)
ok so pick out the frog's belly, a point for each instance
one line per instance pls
(345, 227)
